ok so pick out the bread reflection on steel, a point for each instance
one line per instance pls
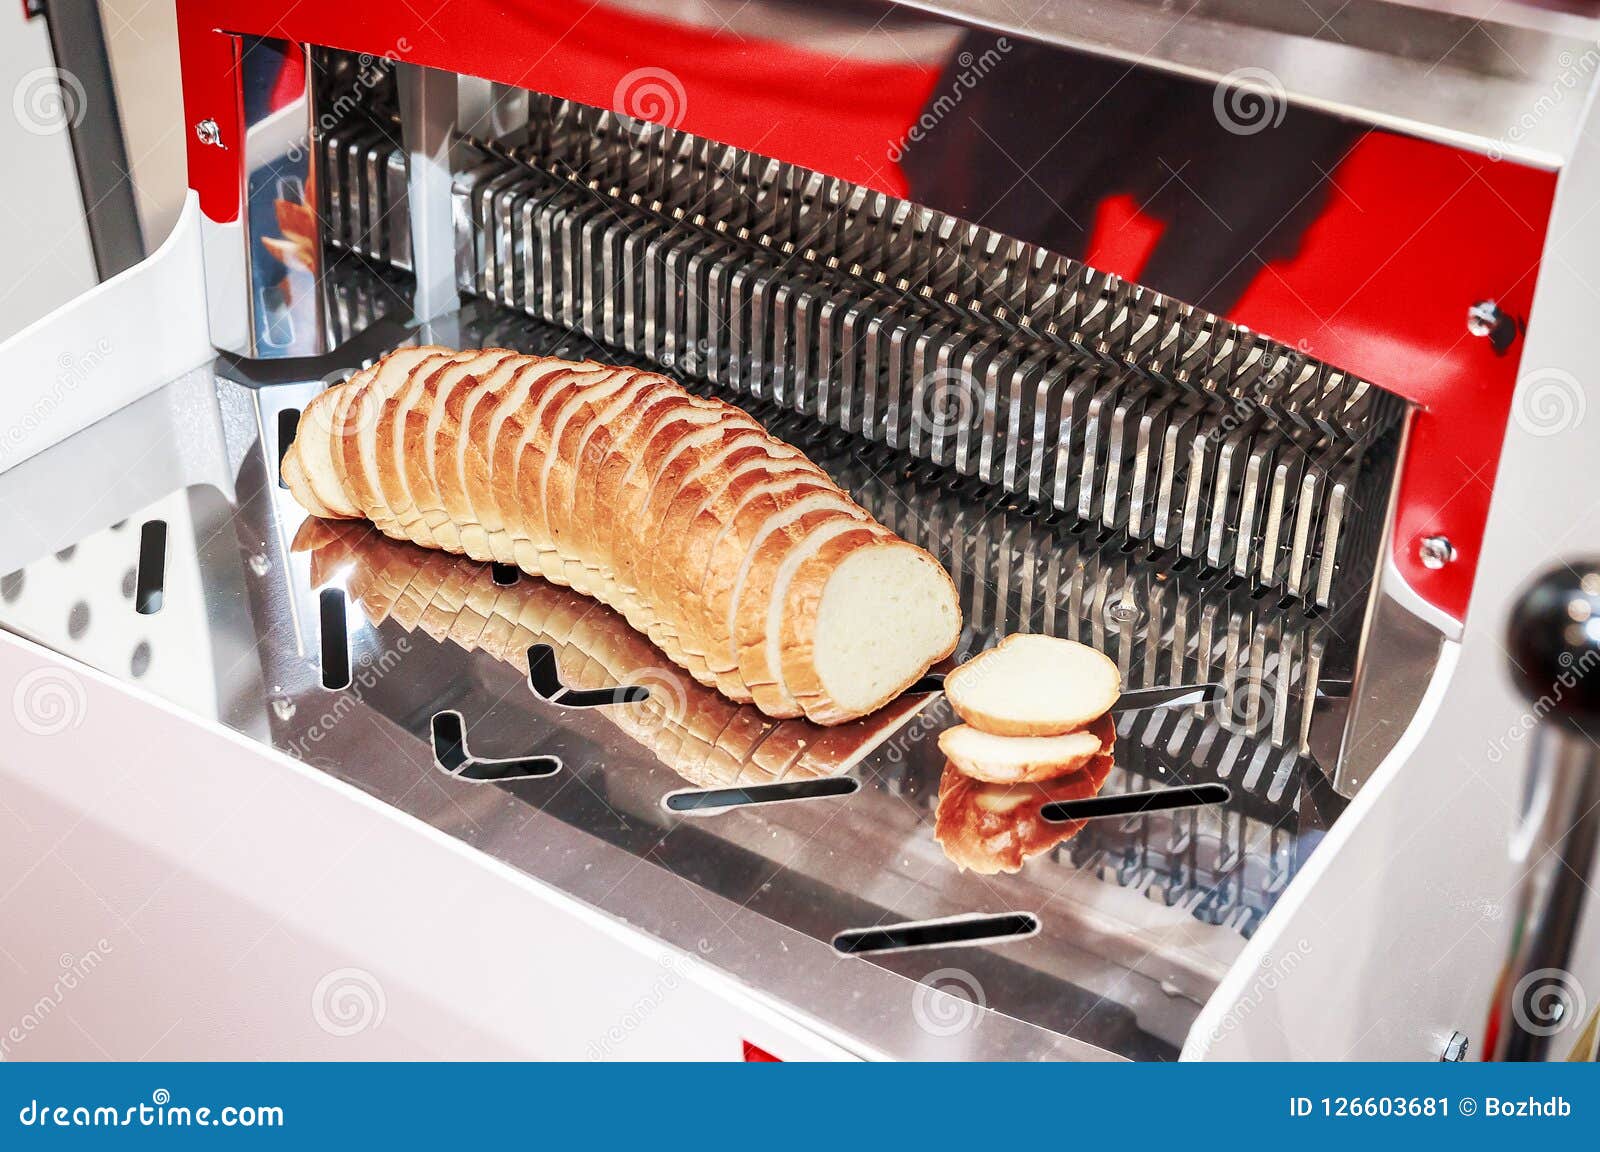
(693, 730)
(989, 828)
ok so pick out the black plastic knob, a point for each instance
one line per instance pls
(1554, 644)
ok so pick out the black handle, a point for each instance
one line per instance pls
(1554, 644)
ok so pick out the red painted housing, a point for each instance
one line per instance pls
(1415, 233)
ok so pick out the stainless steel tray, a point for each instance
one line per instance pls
(1138, 916)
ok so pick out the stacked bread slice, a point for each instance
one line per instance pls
(704, 738)
(739, 558)
(1037, 730)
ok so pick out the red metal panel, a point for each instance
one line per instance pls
(1415, 233)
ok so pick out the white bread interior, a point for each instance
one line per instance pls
(1034, 686)
(1017, 759)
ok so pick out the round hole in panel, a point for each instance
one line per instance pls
(130, 581)
(139, 664)
(11, 586)
(78, 620)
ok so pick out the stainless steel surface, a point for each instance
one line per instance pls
(1153, 422)
(276, 308)
(1484, 317)
(428, 112)
(992, 358)
(1436, 551)
(1140, 917)
(1553, 848)
(1504, 79)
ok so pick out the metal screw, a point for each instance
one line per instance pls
(1484, 317)
(1435, 552)
(1455, 1049)
(208, 133)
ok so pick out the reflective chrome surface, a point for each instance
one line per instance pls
(274, 248)
(1507, 79)
(1139, 916)
(950, 342)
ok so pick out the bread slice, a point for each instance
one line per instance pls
(700, 457)
(1025, 759)
(708, 549)
(544, 505)
(452, 446)
(299, 483)
(989, 828)
(610, 461)
(421, 449)
(687, 469)
(1034, 686)
(524, 442)
(761, 613)
(483, 434)
(313, 471)
(345, 429)
(359, 449)
(690, 524)
(394, 491)
(690, 429)
(863, 618)
(570, 480)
